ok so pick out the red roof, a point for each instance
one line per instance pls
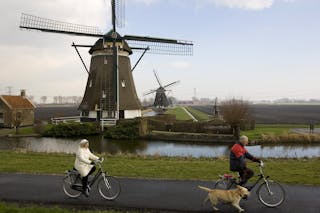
(17, 102)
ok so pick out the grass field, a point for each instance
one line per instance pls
(180, 113)
(16, 208)
(275, 129)
(291, 171)
(280, 133)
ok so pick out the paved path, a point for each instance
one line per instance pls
(157, 195)
(191, 116)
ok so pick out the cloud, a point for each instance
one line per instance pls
(147, 2)
(180, 64)
(244, 4)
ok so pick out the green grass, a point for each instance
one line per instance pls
(268, 129)
(25, 130)
(291, 171)
(200, 116)
(14, 208)
(180, 113)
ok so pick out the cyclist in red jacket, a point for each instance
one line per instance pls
(238, 154)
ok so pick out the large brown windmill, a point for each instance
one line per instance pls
(110, 91)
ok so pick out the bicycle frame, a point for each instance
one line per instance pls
(90, 183)
(261, 177)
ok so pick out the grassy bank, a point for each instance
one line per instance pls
(279, 133)
(291, 171)
(15, 208)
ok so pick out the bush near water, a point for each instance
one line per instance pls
(125, 129)
(71, 130)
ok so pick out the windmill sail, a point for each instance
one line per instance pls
(161, 45)
(48, 25)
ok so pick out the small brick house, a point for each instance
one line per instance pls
(16, 110)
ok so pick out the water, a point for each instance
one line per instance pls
(162, 148)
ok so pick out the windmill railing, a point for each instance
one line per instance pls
(65, 119)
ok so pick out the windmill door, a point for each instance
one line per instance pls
(121, 114)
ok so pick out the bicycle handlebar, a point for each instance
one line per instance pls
(99, 161)
(261, 164)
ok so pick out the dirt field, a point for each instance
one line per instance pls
(48, 112)
(277, 114)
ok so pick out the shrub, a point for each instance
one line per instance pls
(126, 129)
(71, 130)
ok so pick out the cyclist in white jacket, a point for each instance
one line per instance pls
(84, 163)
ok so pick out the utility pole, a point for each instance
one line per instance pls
(9, 90)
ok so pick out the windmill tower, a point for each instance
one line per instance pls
(161, 101)
(110, 91)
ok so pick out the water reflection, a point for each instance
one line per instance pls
(99, 144)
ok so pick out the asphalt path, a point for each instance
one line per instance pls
(146, 194)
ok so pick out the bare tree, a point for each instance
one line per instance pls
(43, 99)
(234, 112)
(17, 120)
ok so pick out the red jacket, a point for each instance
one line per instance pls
(238, 154)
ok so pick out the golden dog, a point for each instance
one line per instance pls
(227, 196)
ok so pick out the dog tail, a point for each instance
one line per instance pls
(205, 188)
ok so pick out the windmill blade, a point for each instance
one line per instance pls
(161, 45)
(171, 84)
(150, 92)
(48, 25)
(120, 13)
(157, 77)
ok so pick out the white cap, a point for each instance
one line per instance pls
(243, 138)
(83, 141)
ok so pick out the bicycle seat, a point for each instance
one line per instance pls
(228, 176)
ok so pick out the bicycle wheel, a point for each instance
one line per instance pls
(66, 185)
(109, 187)
(271, 193)
(224, 184)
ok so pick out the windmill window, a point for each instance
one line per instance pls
(105, 60)
(123, 83)
(104, 95)
(1, 115)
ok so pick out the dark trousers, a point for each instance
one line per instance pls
(245, 175)
(85, 179)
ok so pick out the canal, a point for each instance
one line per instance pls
(100, 145)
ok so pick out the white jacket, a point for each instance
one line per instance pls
(82, 162)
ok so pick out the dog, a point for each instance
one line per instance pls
(227, 196)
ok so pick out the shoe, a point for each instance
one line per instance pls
(86, 192)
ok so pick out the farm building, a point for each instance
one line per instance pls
(16, 110)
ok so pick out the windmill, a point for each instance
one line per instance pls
(161, 101)
(110, 91)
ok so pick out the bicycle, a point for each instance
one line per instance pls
(269, 192)
(108, 186)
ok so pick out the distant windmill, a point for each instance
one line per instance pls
(215, 108)
(161, 101)
(110, 91)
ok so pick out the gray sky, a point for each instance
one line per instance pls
(254, 49)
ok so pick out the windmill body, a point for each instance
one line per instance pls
(99, 99)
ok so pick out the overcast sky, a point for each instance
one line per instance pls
(253, 49)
